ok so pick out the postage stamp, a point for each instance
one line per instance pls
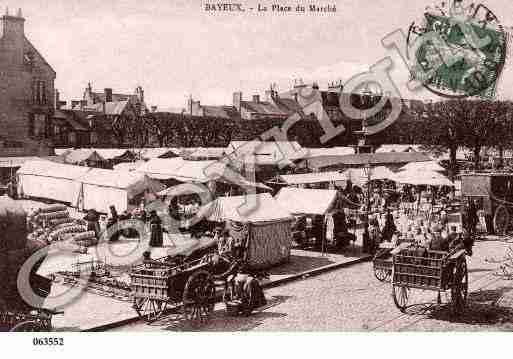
(457, 50)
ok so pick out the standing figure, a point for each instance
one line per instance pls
(93, 224)
(156, 236)
(112, 221)
(390, 228)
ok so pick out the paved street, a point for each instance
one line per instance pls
(352, 299)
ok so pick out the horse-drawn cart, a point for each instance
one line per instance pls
(493, 194)
(420, 268)
(155, 284)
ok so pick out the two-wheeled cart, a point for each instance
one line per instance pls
(382, 264)
(419, 268)
(155, 284)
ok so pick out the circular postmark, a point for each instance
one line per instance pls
(457, 50)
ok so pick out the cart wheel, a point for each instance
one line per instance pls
(149, 309)
(459, 289)
(381, 274)
(501, 220)
(29, 326)
(199, 297)
(400, 295)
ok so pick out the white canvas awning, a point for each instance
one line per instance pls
(161, 168)
(314, 177)
(250, 208)
(50, 180)
(423, 166)
(128, 166)
(306, 201)
(359, 176)
(431, 178)
(102, 188)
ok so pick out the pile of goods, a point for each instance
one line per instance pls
(53, 223)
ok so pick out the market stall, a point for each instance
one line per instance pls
(265, 227)
(102, 188)
(50, 180)
(317, 206)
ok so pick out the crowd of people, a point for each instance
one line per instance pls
(109, 224)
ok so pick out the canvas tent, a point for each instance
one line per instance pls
(128, 166)
(159, 152)
(82, 156)
(300, 201)
(314, 177)
(357, 175)
(266, 226)
(100, 188)
(423, 166)
(161, 168)
(431, 178)
(114, 153)
(50, 180)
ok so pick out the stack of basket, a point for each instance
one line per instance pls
(53, 223)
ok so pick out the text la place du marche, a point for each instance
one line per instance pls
(277, 8)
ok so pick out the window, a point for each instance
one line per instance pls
(39, 92)
(39, 125)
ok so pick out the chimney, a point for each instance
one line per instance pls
(256, 98)
(57, 101)
(108, 94)
(140, 93)
(13, 30)
(237, 99)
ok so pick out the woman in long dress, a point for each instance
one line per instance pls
(156, 236)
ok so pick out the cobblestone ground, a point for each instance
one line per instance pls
(352, 299)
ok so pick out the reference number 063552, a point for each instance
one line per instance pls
(48, 341)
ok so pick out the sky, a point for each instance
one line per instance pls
(174, 48)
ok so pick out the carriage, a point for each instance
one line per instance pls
(493, 194)
(173, 281)
(420, 268)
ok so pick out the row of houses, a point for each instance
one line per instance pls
(35, 119)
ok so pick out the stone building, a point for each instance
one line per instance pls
(27, 92)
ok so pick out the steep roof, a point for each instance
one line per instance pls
(228, 112)
(263, 108)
